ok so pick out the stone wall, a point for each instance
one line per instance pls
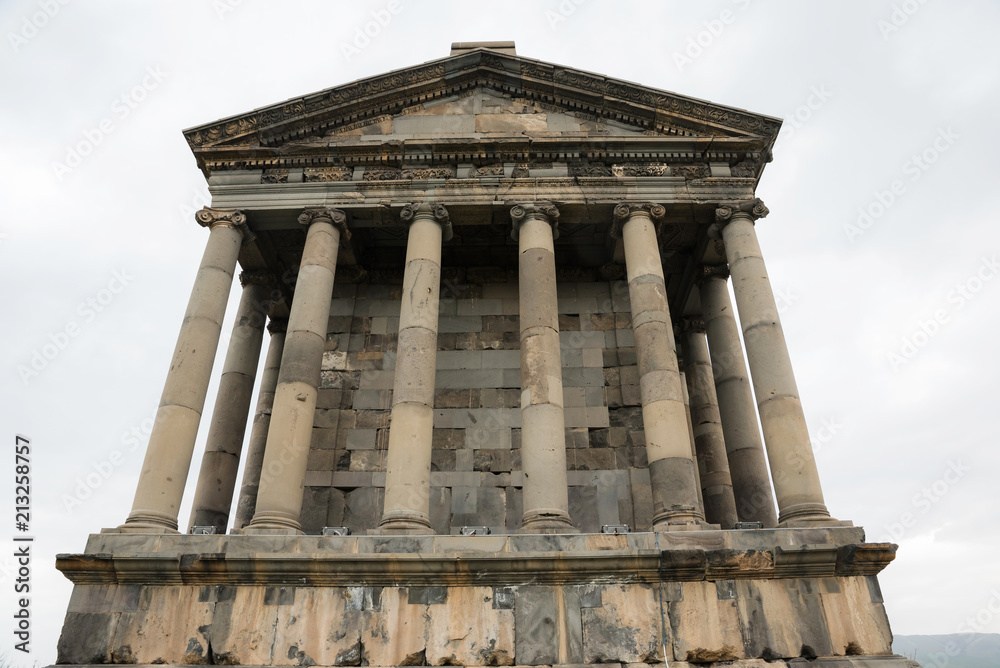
(476, 478)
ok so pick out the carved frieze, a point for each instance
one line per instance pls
(324, 174)
(520, 171)
(744, 169)
(496, 169)
(428, 173)
(589, 169)
(690, 171)
(383, 174)
(382, 84)
(640, 169)
(274, 176)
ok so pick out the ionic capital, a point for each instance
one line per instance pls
(436, 212)
(752, 209)
(257, 277)
(546, 211)
(626, 210)
(713, 271)
(231, 218)
(325, 214)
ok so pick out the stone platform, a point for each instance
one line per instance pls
(738, 598)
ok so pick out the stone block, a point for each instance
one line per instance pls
(457, 398)
(536, 622)
(455, 378)
(620, 629)
(397, 635)
(582, 340)
(459, 324)
(367, 460)
(363, 508)
(243, 629)
(448, 439)
(501, 359)
(480, 307)
(583, 508)
(464, 460)
(493, 460)
(470, 630)
(577, 437)
(583, 377)
(361, 439)
(459, 359)
(440, 510)
(593, 357)
(443, 460)
(590, 459)
(87, 637)
(165, 612)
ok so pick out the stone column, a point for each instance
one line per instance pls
(279, 498)
(668, 446)
(793, 467)
(543, 426)
(710, 445)
(213, 496)
(747, 464)
(261, 421)
(686, 398)
(171, 443)
(411, 425)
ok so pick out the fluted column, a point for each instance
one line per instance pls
(247, 502)
(710, 445)
(411, 425)
(741, 432)
(793, 467)
(668, 446)
(171, 443)
(213, 495)
(543, 426)
(279, 498)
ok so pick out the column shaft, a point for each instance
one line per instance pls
(710, 444)
(668, 445)
(261, 421)
(411, 425)
(543, 425)
(744, 449)
(213, 495)
(171, 443)
(279, 496)
(793, 467)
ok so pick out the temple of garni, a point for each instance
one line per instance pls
(506, 416)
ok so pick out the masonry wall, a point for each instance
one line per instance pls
(476, 477)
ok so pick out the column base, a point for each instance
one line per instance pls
(691, 525)
(144, 521)
(551, 522)
(807, 515)
(272, 524)
(396, 523)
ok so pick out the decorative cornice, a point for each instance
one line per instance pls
(626, 210)
(752, 209)
(546, 211)
(654, 110)
(436, 212)
(339, 568)
(325, 214)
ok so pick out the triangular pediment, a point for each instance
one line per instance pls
(482, 93)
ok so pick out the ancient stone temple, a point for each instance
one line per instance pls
(505, 417)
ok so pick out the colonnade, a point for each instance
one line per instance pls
(707, 465)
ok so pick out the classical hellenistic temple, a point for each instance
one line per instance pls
(505, 416)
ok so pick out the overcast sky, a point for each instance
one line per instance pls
(882, 243)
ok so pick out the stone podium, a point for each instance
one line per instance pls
(506, 415)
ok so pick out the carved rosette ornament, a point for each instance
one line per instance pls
(437, 212)
(324, 214)
(752, 209)
(626, 210)
(535, 210)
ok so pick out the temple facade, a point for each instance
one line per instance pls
(506, 416)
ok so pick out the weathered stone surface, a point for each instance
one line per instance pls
(625, 628)
(470, 631)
